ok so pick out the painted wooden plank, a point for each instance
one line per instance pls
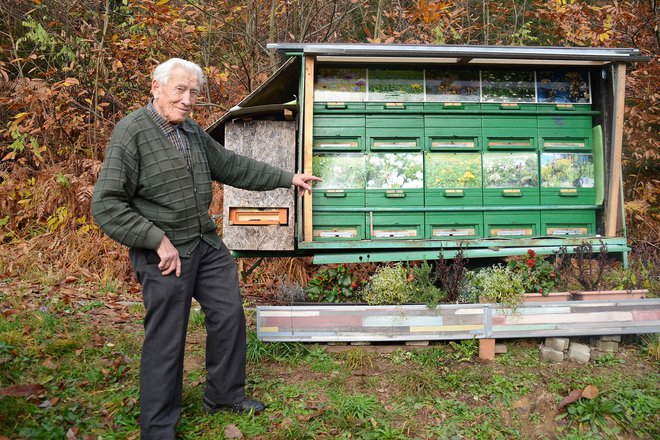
(570, 318)
(612, 208)
(289, 313)
(400, 321)
(269, 329)
(314, 321)
(646, 315)
(450, 322)
(497, 329)
(308, 140)
(479, 311)
(445, 328)
(463, 320)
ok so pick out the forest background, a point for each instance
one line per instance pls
(70, 69)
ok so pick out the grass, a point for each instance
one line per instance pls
(86, 356)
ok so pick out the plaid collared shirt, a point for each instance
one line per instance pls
(173, 132)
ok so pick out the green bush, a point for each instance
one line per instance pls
(496, 284)
(389, 285)
(397, 284)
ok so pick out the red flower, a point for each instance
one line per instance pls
(552, 275)
(354, 285)
(531, 253)
(530, 263)
(541, 290)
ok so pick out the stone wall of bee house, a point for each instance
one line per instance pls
(261, 220)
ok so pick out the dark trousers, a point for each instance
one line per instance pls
(210, 276)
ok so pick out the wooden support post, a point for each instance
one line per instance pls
(613, 214)
(308, 139)
(487, 349)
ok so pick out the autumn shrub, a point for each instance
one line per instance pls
(452, 276)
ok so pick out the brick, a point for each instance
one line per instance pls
(549, 354)
(500, 349)
(487, 349)
(607, 346)
(613, 338)
(417, 343)
(579, 352)
(560, 344)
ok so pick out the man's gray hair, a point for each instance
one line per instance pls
(163, 71)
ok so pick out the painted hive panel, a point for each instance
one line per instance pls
(261, 220)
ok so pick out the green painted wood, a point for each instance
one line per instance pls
(443, 226)
(516, 244)
(599, 164)
(568, 223)
(379, 256)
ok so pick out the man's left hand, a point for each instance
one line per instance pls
(300, 180)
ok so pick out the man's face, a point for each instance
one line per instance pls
(175, 100)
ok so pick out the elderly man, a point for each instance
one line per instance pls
(153, 195)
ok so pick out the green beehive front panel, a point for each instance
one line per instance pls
(447, 108)
(337, 107)
(339, 226)
(453, 225)
(568, 223)
(453, 179)
(395, 179)
(347, 126)
(343, 179)
(395, 226)
(565, 132)
(453, 197)
(394, 108)
(338, 197)
(510, 132)
(394, 198)
(567, 178)
(510, 178)
(453, 121)
(452, 132)
(511, 196)
(512, 224)
(568, 196)
(395, 132)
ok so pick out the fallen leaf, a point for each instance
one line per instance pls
(231, 431)
(590, 392)
(70, 279)
(32, 389)
(72, 433)
(48, 363)
(575, 395)
(45, 404)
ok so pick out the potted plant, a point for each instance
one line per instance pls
(589, 269)
(539, 277)
(398, 284)
(496, 284)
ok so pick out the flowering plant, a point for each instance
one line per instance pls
(538, 274)
(335, 284)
